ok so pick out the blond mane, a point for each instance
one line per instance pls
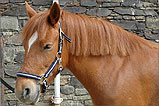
(89, 36)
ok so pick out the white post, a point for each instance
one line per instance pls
(56, 1)
(57, 99)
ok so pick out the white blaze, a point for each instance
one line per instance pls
(32, 40)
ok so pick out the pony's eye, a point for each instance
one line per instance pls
(48, 47)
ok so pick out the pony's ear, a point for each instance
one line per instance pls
(31, 12)
(54, 13)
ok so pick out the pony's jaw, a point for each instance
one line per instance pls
(27, 91)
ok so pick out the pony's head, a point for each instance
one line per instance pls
(40, 38)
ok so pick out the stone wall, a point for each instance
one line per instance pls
(140, 17)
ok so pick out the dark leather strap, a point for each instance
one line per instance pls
(7, 85)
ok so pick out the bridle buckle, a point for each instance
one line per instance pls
(60, 67)
(42, 80)
(58, 55)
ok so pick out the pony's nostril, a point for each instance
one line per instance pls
(26, 92)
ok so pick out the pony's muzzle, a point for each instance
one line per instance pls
(27, 91)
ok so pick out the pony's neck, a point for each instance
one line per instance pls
(89, 71)
(97, 45)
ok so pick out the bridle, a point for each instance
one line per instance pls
(58, 59)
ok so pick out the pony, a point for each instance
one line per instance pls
(115, 66)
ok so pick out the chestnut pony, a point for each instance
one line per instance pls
(115, 66)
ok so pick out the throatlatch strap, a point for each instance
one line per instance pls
(67, 38)
(63, 34)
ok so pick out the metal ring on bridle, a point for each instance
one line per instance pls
(42, 80)
(58, 55)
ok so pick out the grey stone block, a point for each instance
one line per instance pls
(81, 91)
(10, 81)
(117, 0)
(69, 2)
(155, 31)
(119, 17)
(10, 97)
(99, 12)
(153, 1)
(110, 4)
(123, 11)
(103, 0)
(0, 31)
(75, 9)
(152, 22)
(9, 54)
(16, 1)
(84, 97)
(42, 2)
(4, 1)
(71, 103)
(147, 4)
(12, 70)
(43, 104)
(128, 11)
(132, 3)
(67, 97)
(157, 10)
(140, 26)
(88, 3)
(103, 12)
(63, 2)
(7, 22)
(16, 11)
(151, 36)
(150, 13)
(13, 40)
(12, 103)
(19, 58)
(67, 89)
(88, 103)
(139, 12)
(110, 0)
(129, 25)
(22, 23)
(92, 12)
